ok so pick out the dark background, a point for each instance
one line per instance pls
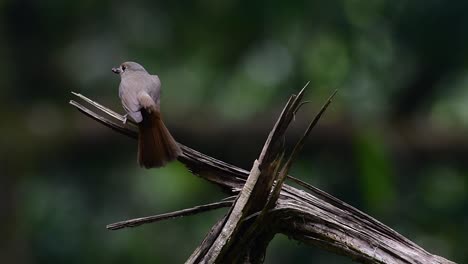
(393, 144)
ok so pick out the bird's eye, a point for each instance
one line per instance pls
(124, 67)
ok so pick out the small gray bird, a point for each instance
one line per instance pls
(140, 94)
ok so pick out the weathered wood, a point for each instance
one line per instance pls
(238, 241)
(313, 217)
(160, 217)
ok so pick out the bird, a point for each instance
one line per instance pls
(140, 93)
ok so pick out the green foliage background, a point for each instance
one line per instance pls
(394, 143)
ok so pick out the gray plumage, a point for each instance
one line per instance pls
(138, 89)
(140, 94)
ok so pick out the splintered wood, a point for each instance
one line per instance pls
(261, 205)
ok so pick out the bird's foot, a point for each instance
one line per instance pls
(124, 121)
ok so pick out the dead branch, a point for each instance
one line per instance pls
(171, 215)
(265, 206)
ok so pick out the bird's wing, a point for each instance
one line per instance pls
(156, 79)
(130, 103)
(156, 92)
(125, 106)
(128, 96)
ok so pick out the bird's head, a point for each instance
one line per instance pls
(128, 66)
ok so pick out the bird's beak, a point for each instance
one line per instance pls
(116, 70)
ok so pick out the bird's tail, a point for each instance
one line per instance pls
(156, 146)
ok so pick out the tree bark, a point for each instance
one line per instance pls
(265, 206)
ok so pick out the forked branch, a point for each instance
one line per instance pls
(265, 206)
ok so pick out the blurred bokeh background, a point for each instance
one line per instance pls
(393, 144)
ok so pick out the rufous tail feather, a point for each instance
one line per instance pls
(156, 146)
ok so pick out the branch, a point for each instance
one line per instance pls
(234, 243)
(313, 217)
(175, 214)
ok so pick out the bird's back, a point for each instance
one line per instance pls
(134, 83)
